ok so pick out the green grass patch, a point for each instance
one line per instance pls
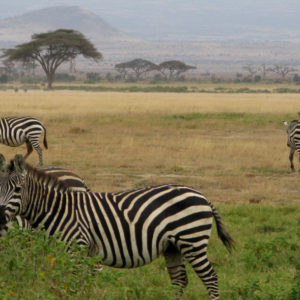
(128, 88)
(256, 120)
(263, 171)
(37, 267)
(265, 264)
(176, 87)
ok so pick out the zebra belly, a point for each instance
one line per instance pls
(119, 262)
(13, 142)
(127, 253)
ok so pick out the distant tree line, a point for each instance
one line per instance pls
(255, 73)
(50, 50)
(169, 70)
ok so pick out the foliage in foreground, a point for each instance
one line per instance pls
(34, 266)
(264, 266)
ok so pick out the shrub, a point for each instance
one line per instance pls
(31, 259)
(64, 77)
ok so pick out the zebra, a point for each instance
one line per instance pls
(51, 175)
(126, 229)
(293, 139)
(15, 131)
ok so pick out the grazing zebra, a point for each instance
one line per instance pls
(15, 131)
(126, 229)
(293, 139)
(51, 176)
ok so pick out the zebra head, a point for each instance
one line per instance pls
(290, 126)
(12, 179)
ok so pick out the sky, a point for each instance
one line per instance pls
(175, 19)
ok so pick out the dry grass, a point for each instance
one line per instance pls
(122, 140)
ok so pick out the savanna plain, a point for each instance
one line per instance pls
(230, 147)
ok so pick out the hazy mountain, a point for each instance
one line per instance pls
(255, 20)
(20, 28)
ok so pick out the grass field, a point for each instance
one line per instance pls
(231, 147)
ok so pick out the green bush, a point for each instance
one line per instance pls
(64, 77)
(34, 266)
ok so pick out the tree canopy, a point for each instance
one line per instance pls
(53, 48)
(138, 66)
(171, 69)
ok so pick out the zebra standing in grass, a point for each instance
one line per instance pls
(126, 229)
(49, 176)
(15, 131)
(293, 139)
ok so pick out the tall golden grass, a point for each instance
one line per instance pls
(123, 140)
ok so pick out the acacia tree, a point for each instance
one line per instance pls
(138, 66)
(53, 48)
(251, 69)
(283, 71)
(173, 68)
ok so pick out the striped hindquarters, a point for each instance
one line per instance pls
(133, 228)
(15, 130)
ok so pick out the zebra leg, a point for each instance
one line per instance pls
(206, 273)
(29, 149)
(176, 267)
(4, 229)
(34, 140)
(195, 252)
(38, 149)
(291, 156)
(94, 250)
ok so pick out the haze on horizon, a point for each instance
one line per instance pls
(255, 20)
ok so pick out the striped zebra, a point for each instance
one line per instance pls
(15, 131)
(49, 176)
(293, 139)
(126, 229)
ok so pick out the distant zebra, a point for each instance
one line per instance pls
(126, 229)
(50, 176)
(293, 139)
(15, 131)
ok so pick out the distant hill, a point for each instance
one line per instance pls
(188, 20)
(19, 29)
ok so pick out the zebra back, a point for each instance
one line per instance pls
(64, 177)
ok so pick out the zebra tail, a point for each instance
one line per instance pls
(222, 231)
(45, 139)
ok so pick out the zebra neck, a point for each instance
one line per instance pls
(41, 202)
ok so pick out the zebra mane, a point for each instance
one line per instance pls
(40, 175)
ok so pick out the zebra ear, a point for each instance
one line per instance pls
(285, 123)
(3, 164)
(19, 164)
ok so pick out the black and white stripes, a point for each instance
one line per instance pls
(15, 131)
(127, 229)
(49, 176)
(293, 139)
